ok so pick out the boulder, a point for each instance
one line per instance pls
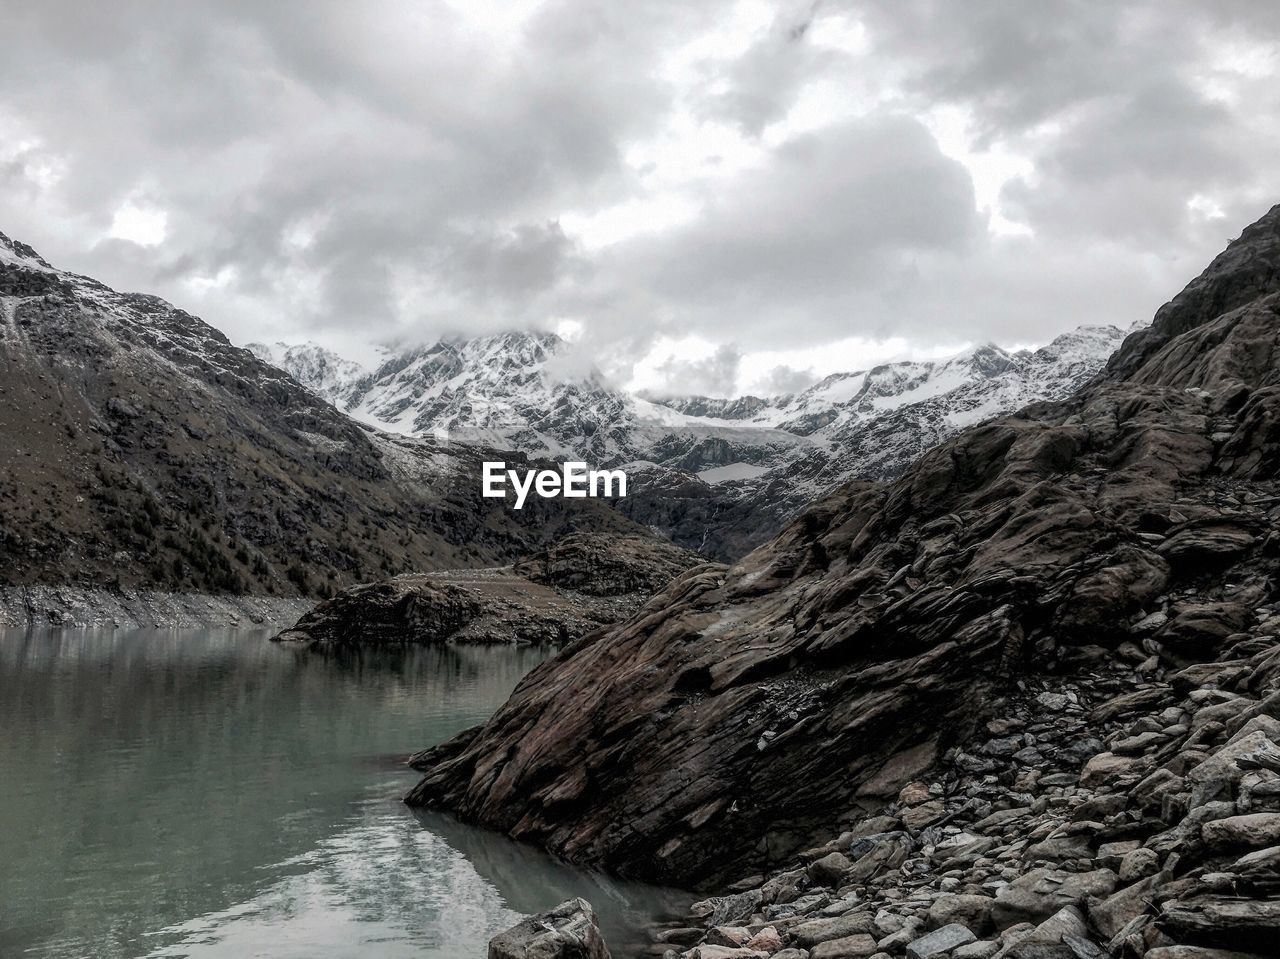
(1253, 831)
(939, 942)
(1054, 938)
(982, 949)
(815, 931)
(1138, 864)
(569, 931)
(858, 946)
(1038, 894)
(968, 910)
(1111, 768)
(830, 870)
(1223, 922)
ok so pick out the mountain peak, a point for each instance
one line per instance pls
(1247, 269)
(17, 253)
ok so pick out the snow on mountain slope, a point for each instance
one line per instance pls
(325, 373)
(503, 391)
(748, 462)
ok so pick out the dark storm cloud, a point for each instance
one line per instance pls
(398, 169)
(402, 142)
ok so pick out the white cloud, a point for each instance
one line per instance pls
(145, 226)
(808, 185)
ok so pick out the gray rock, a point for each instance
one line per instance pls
(814, 931)
(831, 869)
(982, 949)
(569, 931)
(1040, 893)
(971, 911)
(1247, 925)
(1109, 768)
(897, 941)
(1225, 763)
(1254, 830)
(940, 941)
(1139, 864)
(1198, 952)
(858, 946)
(1049, 939)
(724, 910)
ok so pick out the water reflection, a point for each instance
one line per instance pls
(208, 793)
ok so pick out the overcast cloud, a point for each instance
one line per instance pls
(704, 190)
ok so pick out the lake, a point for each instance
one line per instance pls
(208, 793)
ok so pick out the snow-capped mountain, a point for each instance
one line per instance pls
(325, 373)
(504, 391)
(867, 425)
(140, 449)
(711, 464)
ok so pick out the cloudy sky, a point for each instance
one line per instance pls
(712, 196)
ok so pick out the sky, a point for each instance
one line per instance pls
(722, 196)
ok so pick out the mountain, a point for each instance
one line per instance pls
(1052, 642)
(868, 425)
(712, 474)
(141, 449)
(322, 371)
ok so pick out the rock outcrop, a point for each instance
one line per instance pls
(569, 931)
(739, 714)
(555, 596)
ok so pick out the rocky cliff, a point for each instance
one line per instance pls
(738, 715)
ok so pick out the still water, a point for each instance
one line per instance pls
(214, 795)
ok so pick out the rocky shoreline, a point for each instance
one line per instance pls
(79, 606)
(1115, 812)
(1023, 701)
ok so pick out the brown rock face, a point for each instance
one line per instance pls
(740, 712)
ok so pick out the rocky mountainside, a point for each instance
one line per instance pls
(325, 373)
(142, 450)
(718, 475)
(555, 595)
(1128, 533)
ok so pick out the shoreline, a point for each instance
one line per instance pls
(82, 607)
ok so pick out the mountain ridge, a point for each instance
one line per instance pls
(717, 475)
